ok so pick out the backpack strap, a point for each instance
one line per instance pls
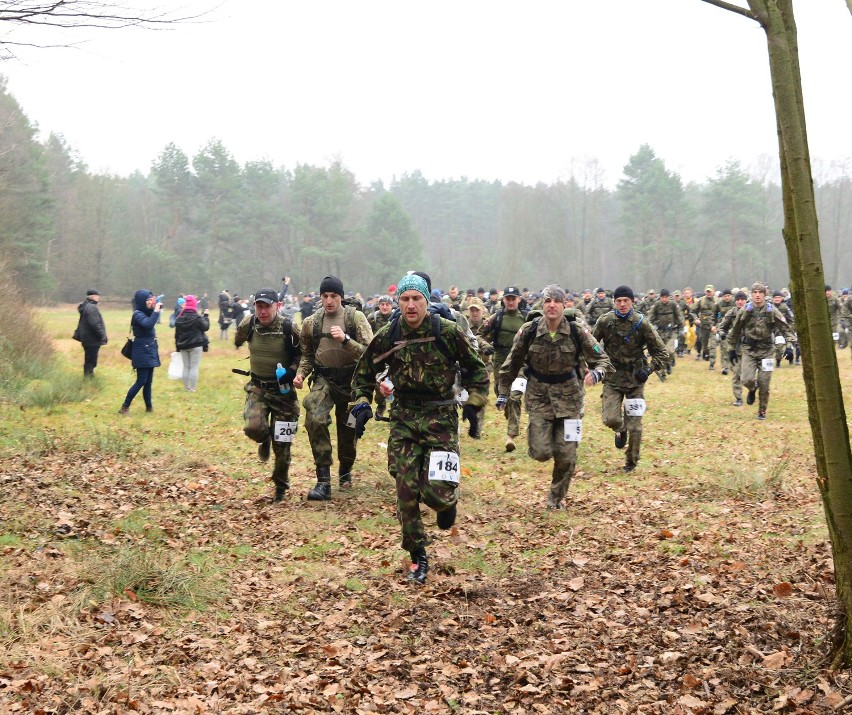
(395, 333)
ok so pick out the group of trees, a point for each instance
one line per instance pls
(207, 223)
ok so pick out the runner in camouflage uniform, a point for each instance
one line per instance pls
(833, 312)
(781, 350)
(666, 317)
(270, 416)
(378, 319)
(422, 367)
(548, 346)
(724, 305)
(598, 306)
(723, 328)
(625, 335)
(329, 355)
(705, 317)
(757, 324)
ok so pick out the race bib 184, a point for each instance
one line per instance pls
(444, 467)
(285, 431)
(634, 407)
(573, 430)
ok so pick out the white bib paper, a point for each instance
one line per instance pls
(519, 384)
(767, 364)
(285, 431)
(779, 340)
(444, 467)
(676, 344)
(573, 430)
(634, 407)
(835, 336)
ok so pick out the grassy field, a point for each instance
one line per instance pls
(145, 570)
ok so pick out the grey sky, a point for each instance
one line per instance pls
(484, 89)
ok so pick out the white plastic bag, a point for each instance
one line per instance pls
(176, 367)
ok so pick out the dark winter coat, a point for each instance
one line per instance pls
(91, 329)
(190, 327)
(145, 349)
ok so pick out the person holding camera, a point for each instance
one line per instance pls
(190, 339)
(145, 355)
(625, 335)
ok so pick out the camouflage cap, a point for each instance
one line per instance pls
(709, 287)
(759, 287)
(475, 303)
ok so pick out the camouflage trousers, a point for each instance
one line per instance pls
(708, 343)
(736, 378)
(513, 406)
(414, 433)
(612, 413)
(546, 440)
(754, 377)
(324, 397)
(261, 410)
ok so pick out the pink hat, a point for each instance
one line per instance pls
(191, 303)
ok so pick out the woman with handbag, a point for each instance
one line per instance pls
(145, 355)
(190, 340)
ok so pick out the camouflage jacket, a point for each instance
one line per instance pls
(666, 318)
(417, 366)
(645, 306)
(705, 311)
(784, 309)
(377, 320)
(597, 308)
(549, 360)
(833, 311)
(354, 347)
(846, 313)
(722, 309)
(757, 328)
(625, 341)
(688, 309)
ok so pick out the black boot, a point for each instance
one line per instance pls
(280, 493)
(322, 489)
(420, 561)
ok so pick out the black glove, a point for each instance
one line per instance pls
(641, 374)
(488, 351)
(361, 413)
(788, 353)
(502, 401)
(733, 357)
(471, 414)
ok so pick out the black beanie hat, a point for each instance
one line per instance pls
(664, 291)
(623, 292)
(727, 291)
(740, 296)
(331, 284)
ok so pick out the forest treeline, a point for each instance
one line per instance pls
(205, 223)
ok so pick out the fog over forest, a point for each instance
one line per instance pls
(203, 223)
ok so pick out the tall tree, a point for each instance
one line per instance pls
(653, 206)
(827, 414)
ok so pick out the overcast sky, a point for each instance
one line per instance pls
(516, 91)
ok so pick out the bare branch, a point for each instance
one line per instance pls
(744, 11)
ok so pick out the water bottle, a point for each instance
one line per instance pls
(387, 383)
(280, 373)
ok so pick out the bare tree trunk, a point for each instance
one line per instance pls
(827, 415)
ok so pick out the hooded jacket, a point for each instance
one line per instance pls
(145, 350)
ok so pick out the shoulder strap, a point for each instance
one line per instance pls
(530, 334)
(439, 341)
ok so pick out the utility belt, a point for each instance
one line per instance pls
(339, 375)
(271, 384)
(413, 400)
(755, 344)
(551, 379)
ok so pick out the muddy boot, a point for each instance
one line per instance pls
(322, 489)
(419, 566)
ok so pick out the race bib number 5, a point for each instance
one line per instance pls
(573, 430)
(444, 467)
(285, 431)
(634, 407)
